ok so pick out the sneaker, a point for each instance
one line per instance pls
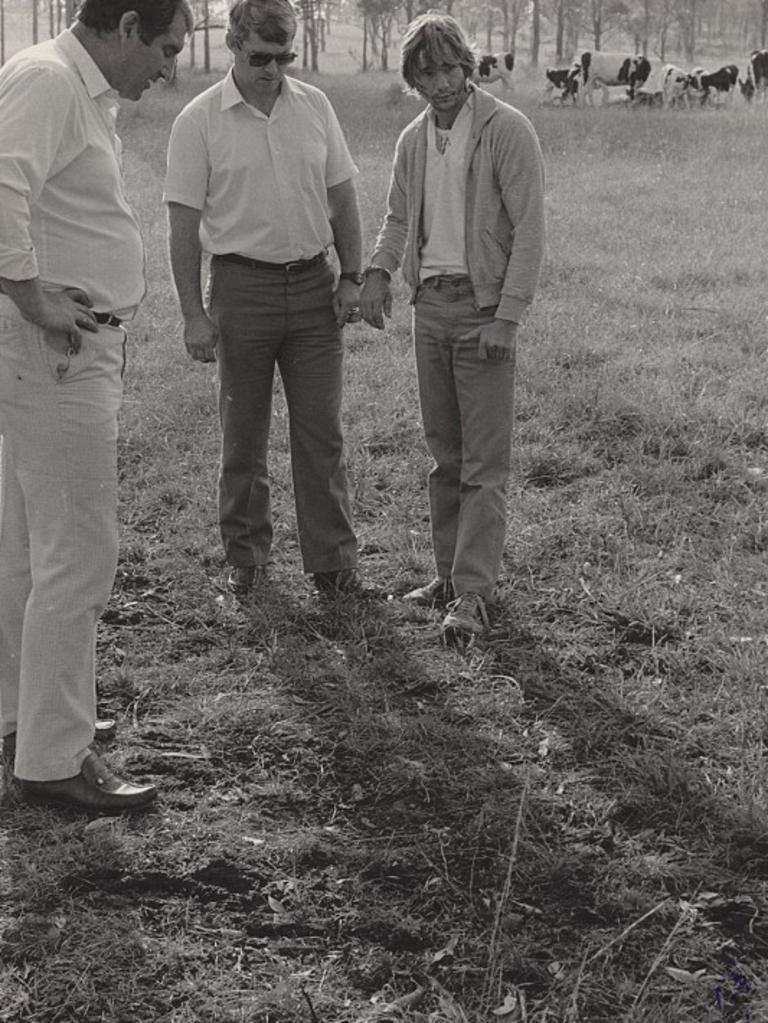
(465, 620)
(342, 583)
(243, 578)
(439, 591)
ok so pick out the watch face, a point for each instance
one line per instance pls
(356, 277)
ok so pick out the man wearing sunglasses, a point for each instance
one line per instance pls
(260, 178)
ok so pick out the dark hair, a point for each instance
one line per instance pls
(440, 38)
(156, 16)
(274, 20)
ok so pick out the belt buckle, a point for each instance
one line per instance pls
(294, 266)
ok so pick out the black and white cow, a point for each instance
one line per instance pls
(756, 82)
(494, 67)
(602, 70)
(720, 83)
(560, 78)
(676, 86)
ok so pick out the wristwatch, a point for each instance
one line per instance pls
(373, 269)
(356, 277)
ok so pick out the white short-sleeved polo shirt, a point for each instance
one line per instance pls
(260, 182)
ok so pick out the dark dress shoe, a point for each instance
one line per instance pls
(95, 790)
(9, 748)
(244, 578)
(344, 582)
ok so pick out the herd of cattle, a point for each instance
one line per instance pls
(666, 85)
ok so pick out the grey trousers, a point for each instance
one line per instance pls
(467, 410)
(269, 319)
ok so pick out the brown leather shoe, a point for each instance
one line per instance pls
(95, 790)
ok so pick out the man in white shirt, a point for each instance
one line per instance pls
(71, 270)
(465, 219)
(260, 178)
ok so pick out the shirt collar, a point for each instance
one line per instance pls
(231, 95)
(93, 78)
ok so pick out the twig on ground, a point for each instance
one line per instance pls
(683, 918)
(308, 1000)
(504, 898)
(626, 931)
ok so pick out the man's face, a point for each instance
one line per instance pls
(144, 62)
(260, 65)
(442, 85)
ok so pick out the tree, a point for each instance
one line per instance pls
(558, 8)
(688, 20)
(378, 19)
(535, 32)
(512, 12)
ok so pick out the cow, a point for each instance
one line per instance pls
(676, 85)
(650, 93)
(494, 67)
(560, 78)
(722, 82)
(756, 82)
(601, 70)
(748, 87)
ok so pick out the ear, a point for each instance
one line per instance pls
(129, 25)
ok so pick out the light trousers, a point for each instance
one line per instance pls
(467, 411)
(58, 535)
(269, 319)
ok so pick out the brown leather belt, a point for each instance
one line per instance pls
(295, 266)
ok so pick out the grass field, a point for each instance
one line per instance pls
(569, 824)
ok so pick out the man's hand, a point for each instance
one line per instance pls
(201, 336)
(346, 302)
(376, 299)
(497, 340)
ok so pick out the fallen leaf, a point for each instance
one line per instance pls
(685, 976)
(446, 951)
(508, 1006)
(277, 907)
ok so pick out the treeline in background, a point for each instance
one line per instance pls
(535, 30)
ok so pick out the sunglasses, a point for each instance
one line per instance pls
(263, 59)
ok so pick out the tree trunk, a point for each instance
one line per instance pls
(560, 31)
(365, 43)
(206, 37)
(2, 31)
(535, 32)
(489, 30)
(35, 28)
(763, 23)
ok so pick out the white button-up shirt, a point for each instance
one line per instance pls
(260, 182)
(64, 215)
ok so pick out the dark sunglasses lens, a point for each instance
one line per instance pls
(262, 59)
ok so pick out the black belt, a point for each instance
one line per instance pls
(107, 319)
(452, 280)
(295, 266)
